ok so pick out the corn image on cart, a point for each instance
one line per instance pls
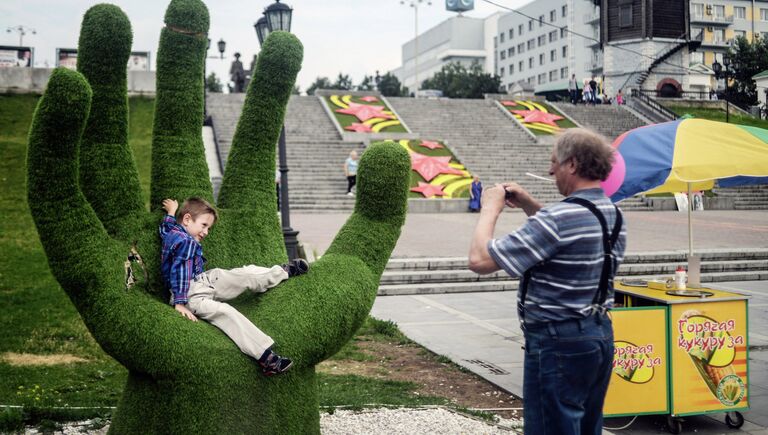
(679, 355)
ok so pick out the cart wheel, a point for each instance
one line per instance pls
(734, 419)
(675, 425)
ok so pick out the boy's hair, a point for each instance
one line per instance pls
(196, 207)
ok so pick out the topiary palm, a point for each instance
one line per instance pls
(83, 189)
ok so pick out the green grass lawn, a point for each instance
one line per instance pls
(718, 115)
(39, 319)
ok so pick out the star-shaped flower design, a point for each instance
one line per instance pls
(538, 116)
(364, 112)
(428, 190)
(429, 167)
(369, 99)
(359, 127)
(507, 103)
(430, 144)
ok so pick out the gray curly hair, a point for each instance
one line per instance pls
(590, 151)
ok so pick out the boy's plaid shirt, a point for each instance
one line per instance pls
(182, 259)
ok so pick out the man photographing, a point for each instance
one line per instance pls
(566, 255)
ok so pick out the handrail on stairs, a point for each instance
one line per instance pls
(653, 104)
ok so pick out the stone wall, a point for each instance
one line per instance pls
(33, 80)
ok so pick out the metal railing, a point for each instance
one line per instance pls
(653, 104)
(691, 95)
(711, 19)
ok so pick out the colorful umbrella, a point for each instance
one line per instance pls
(668, 157)
(686, 155)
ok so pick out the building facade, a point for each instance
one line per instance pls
(459, 39)
(615, 41)
(546, 41)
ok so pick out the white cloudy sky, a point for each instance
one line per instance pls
(356, 37)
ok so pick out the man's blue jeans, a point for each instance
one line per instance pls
(567, 370)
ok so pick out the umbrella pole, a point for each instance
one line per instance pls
(690, 223)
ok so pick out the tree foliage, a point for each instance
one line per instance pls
(750, 58)
(367, 84)
(343, 82)
(390, 86)
(456, 81)
(212, 83)
(319, 83)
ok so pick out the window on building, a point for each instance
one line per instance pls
(553, 75)
(531, 44)
(542, 78)
(541, 59)
(697, 10)
(697, 57)
(501, 72)
(521, 48)
(552, 15)
(763, 14)
(763, 36)
(503, 54)
(739, 33)
(625, 15)
(510, 51)
(563, 31)
(511, 68)
(564, 72)
(552, 55)
(530, 62)
(511, 34)
(718, 11)
(739, 12)
(542, 40)
(531, 79)
(530, 25)
(520, 66)
(565, 51)
(565, 10)
(541, 20)
(719, 35)
(501, 37)
(520, 30)
(553, 36)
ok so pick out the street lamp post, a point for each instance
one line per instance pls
(22, 31)
(277, 16)
(221, 45)
(415, 5)
(726, 71)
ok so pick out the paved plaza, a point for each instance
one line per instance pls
(480, 330)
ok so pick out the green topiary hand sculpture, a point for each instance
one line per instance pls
(188, 377)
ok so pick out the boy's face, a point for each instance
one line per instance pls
(198, 228)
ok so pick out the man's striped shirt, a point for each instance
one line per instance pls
(563, 245)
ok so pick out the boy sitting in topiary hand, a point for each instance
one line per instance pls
(196, 293)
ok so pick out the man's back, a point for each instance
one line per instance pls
(562, 245)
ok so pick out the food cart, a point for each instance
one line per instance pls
(679, 353)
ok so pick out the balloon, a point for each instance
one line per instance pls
(616, 177)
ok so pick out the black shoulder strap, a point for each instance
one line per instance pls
(608, 242)
(608, 260)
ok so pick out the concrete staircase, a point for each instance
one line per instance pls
(316, 157)
(746, 197)
(486, 141)
(608, 120)
(315, 151)
(450, 275)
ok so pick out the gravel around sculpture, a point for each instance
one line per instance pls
(84, 194)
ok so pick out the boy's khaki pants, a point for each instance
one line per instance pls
(208, 289)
